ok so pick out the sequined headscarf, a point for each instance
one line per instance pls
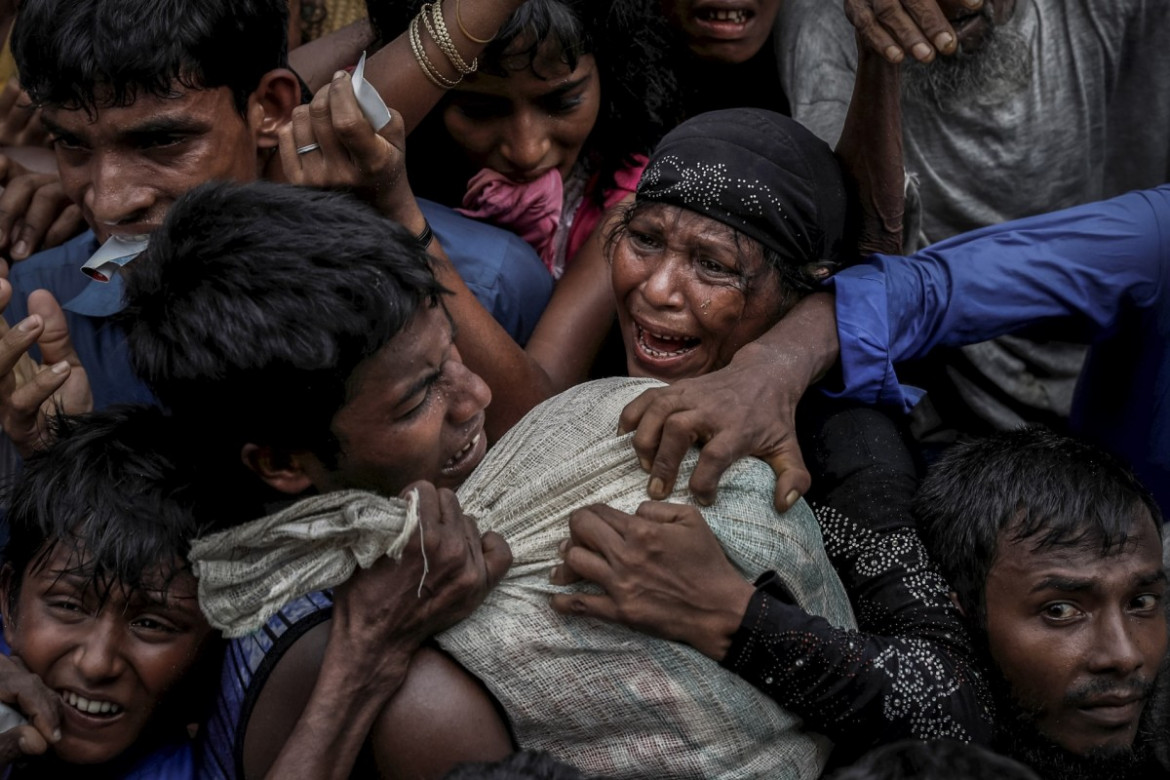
(759, 172)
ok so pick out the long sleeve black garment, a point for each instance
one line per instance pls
(910, 671)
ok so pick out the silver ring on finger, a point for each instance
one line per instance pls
(308, 148)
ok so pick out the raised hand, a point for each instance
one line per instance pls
(348, 153)
(662, 572)
(31, 393)
(894, 27)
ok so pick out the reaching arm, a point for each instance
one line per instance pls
(573, 327)
(1092, 262)
(379, 621)
(870, 151)
(352, 156)
(723, 410)
(317, 60)
(396, 74)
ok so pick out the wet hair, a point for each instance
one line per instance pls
(88, 54)
(630, 43)
(255, 304)
(114, 491)
(913, 759)
(1032, 485)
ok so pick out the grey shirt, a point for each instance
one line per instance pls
(1092, 121)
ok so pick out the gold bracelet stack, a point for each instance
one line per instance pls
(432, 18)
(437, 27)
(462, 29)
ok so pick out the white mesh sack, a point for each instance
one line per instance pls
(607, 699)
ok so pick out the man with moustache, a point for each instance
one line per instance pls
(1054, 554)
(1011, 108)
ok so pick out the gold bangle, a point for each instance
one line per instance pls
(424, 62)
(462, 29)
(432, 16)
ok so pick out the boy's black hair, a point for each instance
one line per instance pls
(913, 759)
(255, 303)
(1031, 484)
(87, 54)
(114, 490)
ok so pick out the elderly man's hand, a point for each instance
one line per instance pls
(663, 572)
(350, 155)
(746, 408)
(446, 572)
(40, 706)
(894, 27)
(31, 393)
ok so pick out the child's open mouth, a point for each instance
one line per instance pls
(94, 708)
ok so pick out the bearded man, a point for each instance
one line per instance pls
(1011, 108)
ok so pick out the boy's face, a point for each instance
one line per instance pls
(112, 662)
(125, 165)
(1079, 635)
(415, 412)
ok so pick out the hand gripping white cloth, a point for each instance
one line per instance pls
(602, 697)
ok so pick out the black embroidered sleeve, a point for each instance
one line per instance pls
(909, 672)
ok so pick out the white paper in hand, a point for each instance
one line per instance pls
(370, 102)
(112, 255)
(10, 718)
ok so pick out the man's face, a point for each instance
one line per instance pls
(125, 166)
(415, 413)
(112, 662)
(1079, 635)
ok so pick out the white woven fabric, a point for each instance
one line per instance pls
(247, 573)
(602, 697)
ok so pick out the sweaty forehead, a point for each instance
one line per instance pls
(1029, 557)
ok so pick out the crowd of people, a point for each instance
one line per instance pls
(585, 389)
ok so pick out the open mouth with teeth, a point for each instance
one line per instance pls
(92, 708)
(455, 460)
(662, 346)
(723, 15)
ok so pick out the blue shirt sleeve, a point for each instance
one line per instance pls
(1091, 261)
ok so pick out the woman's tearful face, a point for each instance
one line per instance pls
(690, 292)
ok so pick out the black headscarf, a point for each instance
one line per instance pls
(756, 171)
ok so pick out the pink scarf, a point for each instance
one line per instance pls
(531, 210)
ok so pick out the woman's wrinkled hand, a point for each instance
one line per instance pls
(662, 571)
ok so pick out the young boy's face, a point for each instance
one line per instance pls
(112, 662)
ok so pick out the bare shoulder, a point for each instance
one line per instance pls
(283, 699)
(440, 717)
